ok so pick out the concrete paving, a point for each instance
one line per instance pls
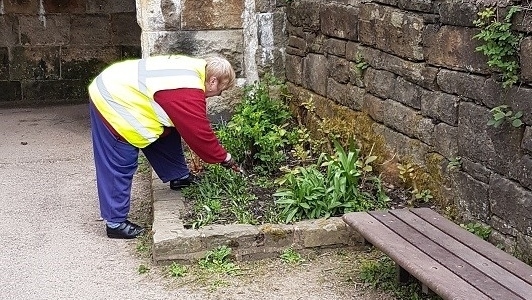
(53, 244)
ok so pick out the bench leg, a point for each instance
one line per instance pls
(402, 275)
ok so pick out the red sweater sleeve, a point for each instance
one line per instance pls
(187, 108)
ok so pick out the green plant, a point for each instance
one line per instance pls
(291, 256)
(503, 113)
(480, 230)
(454, 163)
(337, 184)
(420, 196)
(406, 172)
(143, 164)
(260, 132)
(360, 63)
(218, 260)
(499, 42)
(143, 269)
(380, 274)
(177, 270)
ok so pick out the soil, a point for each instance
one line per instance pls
(328, 275)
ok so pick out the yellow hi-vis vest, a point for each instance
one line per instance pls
(123, 93)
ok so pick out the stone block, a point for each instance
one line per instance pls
(511, 203)
(90, 30)
(526, 143)
(496, 148)
(524, 248)
(417, 5)
(124, 29)
(525, 54)
(9, 31)
(407, 93)
(156, 16)
(445, 140)
(315, 42)
(374, 107)
(379, 82)
(11, 91)
(64, 6)
(86, 62)
(29, 7)
(419, 73)
(522, 171)
(228, 43)
(297, 43)
(472, 196)
(458, 13)
(476, 170)
(335, 47)
(210, 15)
(111, 6)
(29, 63)
(315, 73)
(440, 106)
(56, 31)
(355, 97)
(407, 121)
(522, 21)
(518, 98)
(338, 68)
(454, 48)
(337, 91)
(4, 63)
(481, 89)
(402, 146)
(305, 14)
(393, 30)
(339, 21)
(54, 91)
(502, 227)
(294, 69)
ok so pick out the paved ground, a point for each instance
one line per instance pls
(52, 239)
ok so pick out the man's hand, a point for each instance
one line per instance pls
(231, 164)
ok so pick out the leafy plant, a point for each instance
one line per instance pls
(218, 260)
(143, 269)
(482, 231)
(499, 42)
(503, 113)
(291, 256)
(420, 196)
(454, 163)
(360, 63)
(259, 132)
(177, 270)
(337, 184)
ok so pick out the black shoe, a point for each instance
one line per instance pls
(178, 184)
(126, 230)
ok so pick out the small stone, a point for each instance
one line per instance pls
(23, 143)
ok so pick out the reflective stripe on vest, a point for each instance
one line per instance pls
(123, 93)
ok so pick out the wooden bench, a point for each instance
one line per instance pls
(445, 258)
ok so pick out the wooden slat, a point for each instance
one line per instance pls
(486, 266)
(449, 260)
(439, 279)
(488, 250)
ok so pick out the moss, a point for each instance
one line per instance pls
(276, 232)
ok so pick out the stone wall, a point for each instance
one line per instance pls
(51, 49)
(404, 78)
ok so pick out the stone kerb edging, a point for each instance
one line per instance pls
(173, 242)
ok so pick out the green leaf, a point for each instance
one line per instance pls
(517, 123)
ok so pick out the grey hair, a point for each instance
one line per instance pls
(221, 68)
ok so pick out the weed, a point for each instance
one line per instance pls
(454, 163)
(503, 113)
(177, 270)
(143, 164)
(219, 261)
(499, 42)
(360, 63)
(143, 269)
(480, 230)
(291, 256)
(381, 274)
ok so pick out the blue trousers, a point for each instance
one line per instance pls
(116, 162)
